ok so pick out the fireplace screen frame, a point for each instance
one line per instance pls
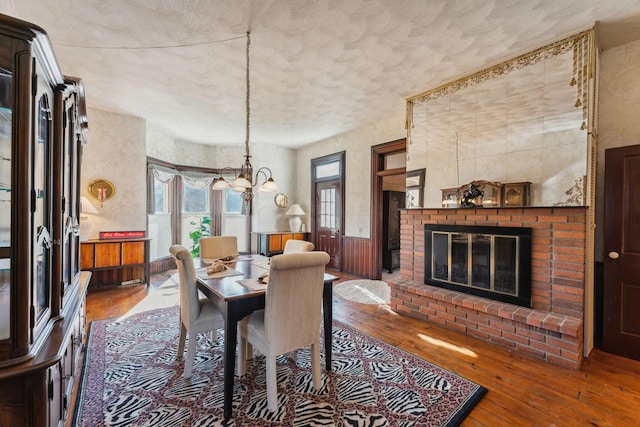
(522, 236)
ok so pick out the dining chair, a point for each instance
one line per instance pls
(215, 247)
(294, 245)
(290, 319)
(197, 315)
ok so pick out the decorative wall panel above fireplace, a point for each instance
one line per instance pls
(491, 262)
(524, 120)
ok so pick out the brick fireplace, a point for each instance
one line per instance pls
(552, 328)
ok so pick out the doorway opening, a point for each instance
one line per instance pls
(388, 189)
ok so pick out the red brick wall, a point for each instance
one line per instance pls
(557, 285)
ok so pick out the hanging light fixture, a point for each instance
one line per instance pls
(243, 182)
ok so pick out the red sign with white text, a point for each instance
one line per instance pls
(121, 234)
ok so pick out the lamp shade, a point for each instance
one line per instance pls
(295, 209)
(241, 182)
(269, 186)
(220, 184)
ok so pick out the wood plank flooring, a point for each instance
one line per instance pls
(523, 391)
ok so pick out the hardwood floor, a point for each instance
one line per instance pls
(522, 391)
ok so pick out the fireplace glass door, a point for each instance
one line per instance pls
(487, 261)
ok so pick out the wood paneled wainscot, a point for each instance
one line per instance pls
(116, 262)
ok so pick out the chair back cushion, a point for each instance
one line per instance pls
(214, 247)
(189, 301)
(293, 306)
(294, 245)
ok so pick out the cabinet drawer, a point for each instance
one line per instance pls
(86, 256)
(275, 243)
(132, 253)
(107, 255)
(285, 239)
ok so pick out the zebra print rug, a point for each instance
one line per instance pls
(131, 378)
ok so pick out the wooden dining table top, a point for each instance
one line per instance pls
(228, 287)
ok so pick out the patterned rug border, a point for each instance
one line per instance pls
(453, 420)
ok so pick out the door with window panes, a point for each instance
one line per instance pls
(328, 178)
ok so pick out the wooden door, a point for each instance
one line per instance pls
(621, 329)
(328, 220)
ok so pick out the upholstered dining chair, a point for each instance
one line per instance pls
(215, 247)
(291, 317)
(294, 245)
(197, 315)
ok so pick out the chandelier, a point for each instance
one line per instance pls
(243, 182)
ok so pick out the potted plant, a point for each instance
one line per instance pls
(203, 229)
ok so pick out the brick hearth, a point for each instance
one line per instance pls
(552, 328)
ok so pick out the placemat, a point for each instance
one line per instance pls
(202, 273)
(253, 284)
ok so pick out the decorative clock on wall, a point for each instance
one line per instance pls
(101, 190)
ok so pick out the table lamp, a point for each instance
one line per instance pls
(295, 211)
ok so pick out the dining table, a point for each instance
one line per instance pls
(235, 301)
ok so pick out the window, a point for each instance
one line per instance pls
(327, 170)
(328, 208)
(182, 207)
(161, 196)
(195, 199)
(196, 215)
(232, 201)
(160, 219)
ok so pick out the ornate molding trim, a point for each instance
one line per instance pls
(575, 43)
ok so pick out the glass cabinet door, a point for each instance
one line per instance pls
(43, 238)
(5, 203)
(70, 191)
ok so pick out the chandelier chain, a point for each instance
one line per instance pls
(248, 107)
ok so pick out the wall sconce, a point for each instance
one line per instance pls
(295, 211)
(281, 201)
(101, 190)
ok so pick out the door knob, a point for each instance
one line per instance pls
(614, 255)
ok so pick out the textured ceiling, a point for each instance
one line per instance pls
(318, 67)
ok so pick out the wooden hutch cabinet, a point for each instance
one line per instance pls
(42, 290)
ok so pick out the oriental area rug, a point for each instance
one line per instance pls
(131, 378)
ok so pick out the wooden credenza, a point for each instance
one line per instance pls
(115, 262)
(272, 243)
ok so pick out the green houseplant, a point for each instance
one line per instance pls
(203, 229)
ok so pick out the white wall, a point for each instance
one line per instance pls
(117, 149)
(357, 145)
(116, 152)
(619, 114)
(281, 161)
